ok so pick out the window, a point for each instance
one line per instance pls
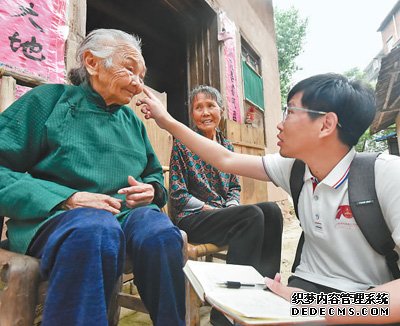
(252, 79)
(253, 87)
(390, 43)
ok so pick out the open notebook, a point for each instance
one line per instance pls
(248, 305)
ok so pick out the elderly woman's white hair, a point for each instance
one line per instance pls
(102, 43)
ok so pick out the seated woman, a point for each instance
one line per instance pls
(82, 186)
(205, 201)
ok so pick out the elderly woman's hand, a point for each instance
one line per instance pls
(138, 193)
(93, 200)
(207, 208)
(153, 108)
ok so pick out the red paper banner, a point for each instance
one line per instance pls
(228, 36)
(21, 90)
(32, 38)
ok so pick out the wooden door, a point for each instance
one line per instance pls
(160, 139)
(203, 55)
(248, 140)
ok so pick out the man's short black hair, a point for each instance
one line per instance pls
(352, 101)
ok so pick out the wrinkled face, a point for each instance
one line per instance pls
(206, 113)
(298, 133)
(124, 79)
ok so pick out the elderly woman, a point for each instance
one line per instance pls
(205, 201)
(81, 185)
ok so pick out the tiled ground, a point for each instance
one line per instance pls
(129, 318)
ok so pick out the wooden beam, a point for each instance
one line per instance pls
(398, 130)
(132, 302)
(77, 30)
(392, 106)
(7, 92)
(392, 110)
(28, 79)
(393, 78)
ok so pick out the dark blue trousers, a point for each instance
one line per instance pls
(82, 255)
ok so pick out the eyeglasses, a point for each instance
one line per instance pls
(287, 109)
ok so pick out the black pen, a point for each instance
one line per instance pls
(238, 285)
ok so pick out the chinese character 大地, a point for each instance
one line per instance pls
(29, 11)
(29, 48)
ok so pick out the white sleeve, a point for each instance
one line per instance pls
(278, 169)
(387, 185)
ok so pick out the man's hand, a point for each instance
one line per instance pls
(278, 288)
(153, 108)
(138, 193)
(93, 200)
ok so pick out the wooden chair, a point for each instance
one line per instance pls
(206, 250)
(22, 290)
(132, 300)
(19, 286)
(192, 251)
(196, 251)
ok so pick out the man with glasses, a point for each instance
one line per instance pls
(286, 110)
(325, 116)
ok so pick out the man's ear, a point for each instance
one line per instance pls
(329, 124)
(91, 63)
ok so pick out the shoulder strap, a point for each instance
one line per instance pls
(367, 211)
(364, 205)
(296, 184)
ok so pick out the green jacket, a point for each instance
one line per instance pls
(60, 139)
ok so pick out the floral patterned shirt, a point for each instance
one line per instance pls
(194, 183)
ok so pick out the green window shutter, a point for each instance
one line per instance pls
(253, 86)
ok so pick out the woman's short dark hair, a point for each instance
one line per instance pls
(212, 92)
(351, 100)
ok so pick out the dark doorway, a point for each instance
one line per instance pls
(167, 29)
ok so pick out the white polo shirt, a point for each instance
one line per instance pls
(335, 252)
